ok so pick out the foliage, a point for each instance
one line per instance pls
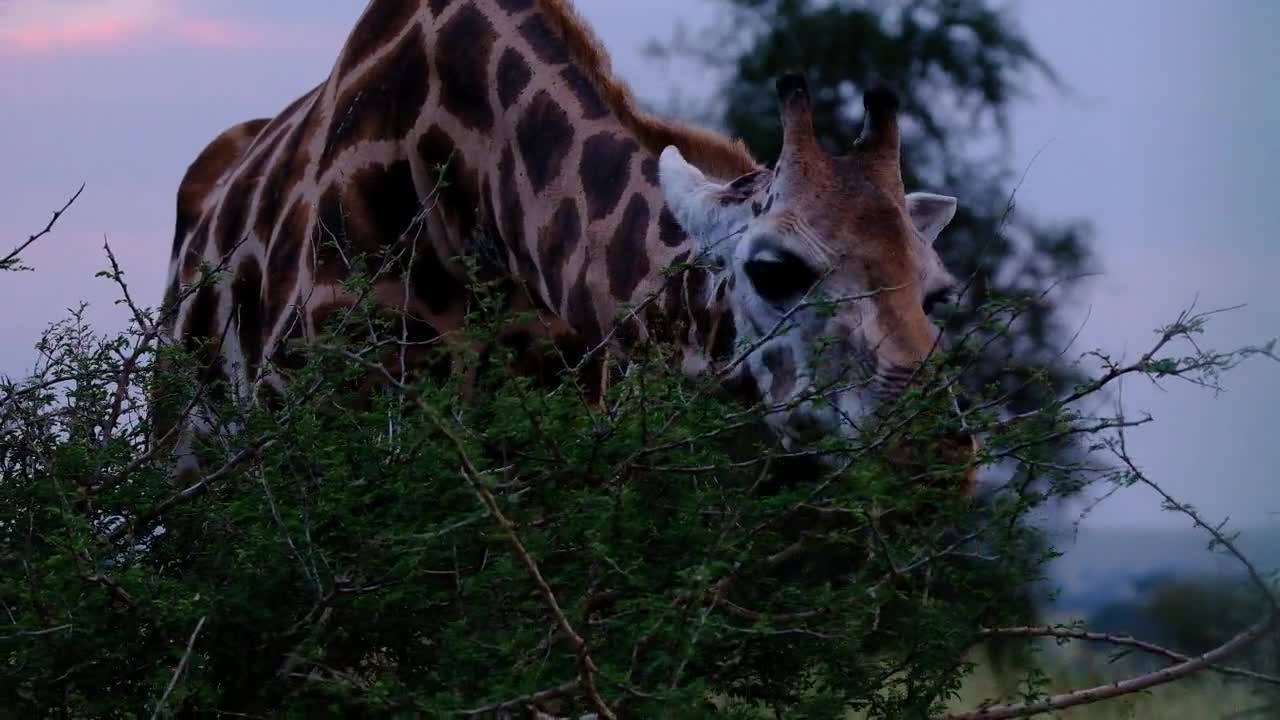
(480, 544)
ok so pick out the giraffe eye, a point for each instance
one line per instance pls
(936, 298)
(779, 276)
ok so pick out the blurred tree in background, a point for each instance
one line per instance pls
(958, 65)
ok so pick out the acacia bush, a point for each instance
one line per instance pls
(482, 544)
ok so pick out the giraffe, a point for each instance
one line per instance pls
(586, 199)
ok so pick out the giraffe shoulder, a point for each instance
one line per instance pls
(217, 158)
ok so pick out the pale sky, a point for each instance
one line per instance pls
(1168, 146)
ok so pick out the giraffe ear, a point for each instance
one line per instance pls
(708, 210)
(930, 213)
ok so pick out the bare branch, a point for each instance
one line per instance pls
(1125, 687)
(1184, 668)
(13, 260)
(37, 633)
(128, 528)
(587, 666)
(177, 672)
(1122, 641)
(525, 701)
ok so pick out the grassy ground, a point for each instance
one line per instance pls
(1205, 697)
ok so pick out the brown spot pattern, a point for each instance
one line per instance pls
(545, 43)
(556, 244)
(669, 230)
(462, 60)
(205, 171)
(605, 171)
(580, 310)
(513, 77)
(194, 253)
(431, 280)
(382, 19)
(511, 217)
(627, 261)
(545, 137)
(455, 186)
(649, 169)
(593, 107)
(370, 207)
(284, 355)
(283, 259)
(233, 214)
(385, 104)
(286, 174)
(246, 305)
(201, 336)
(386, 205)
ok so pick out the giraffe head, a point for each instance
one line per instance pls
(830, 267)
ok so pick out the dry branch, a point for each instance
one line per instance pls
(1121, 641)
(177, 672)
(1183, 669)
(13, 260)
(1124, 687)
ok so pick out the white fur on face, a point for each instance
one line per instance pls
(814, 393)
(695, 201)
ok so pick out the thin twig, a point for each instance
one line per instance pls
(12, 260)
(524, 701)
(587, 666)
(128, 528)
(177, 672)
(37, 633)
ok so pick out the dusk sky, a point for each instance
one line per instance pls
(1167, 144)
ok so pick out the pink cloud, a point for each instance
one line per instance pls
(124, 30)
(95, 33)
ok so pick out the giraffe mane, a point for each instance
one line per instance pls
(711, 152)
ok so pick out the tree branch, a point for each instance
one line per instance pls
(177, 672)
(1122, 641)
(1125, 687)
(1184, 668)
(13, 261)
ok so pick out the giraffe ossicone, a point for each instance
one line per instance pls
(444, 120)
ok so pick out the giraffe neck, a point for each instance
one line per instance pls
(522, 139)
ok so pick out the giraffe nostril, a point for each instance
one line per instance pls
(804, 425)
